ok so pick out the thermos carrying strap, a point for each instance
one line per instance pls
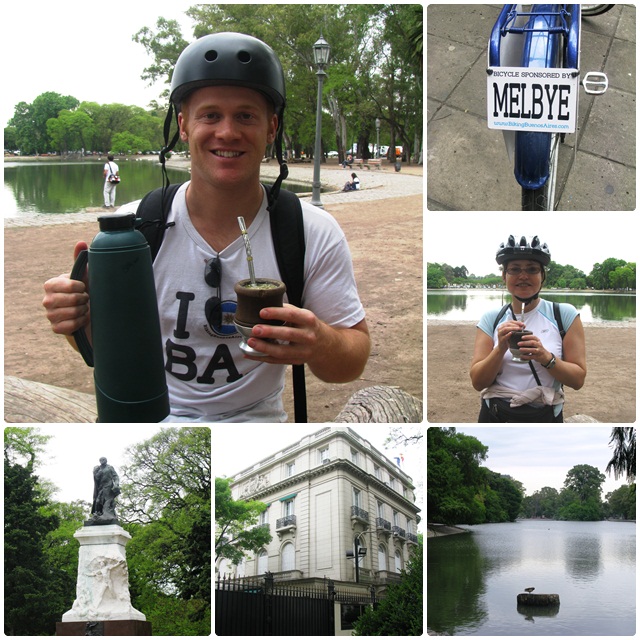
(80, 336)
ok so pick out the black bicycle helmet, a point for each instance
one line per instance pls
(225, 59)
(523, 251)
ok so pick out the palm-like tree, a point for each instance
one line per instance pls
(624, 454)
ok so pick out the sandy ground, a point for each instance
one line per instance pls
(385, 236)
(608, 395)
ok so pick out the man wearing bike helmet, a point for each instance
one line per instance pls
(228, 93)
(529, 390)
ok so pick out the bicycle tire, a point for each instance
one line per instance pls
(543, 199)
(595, 9)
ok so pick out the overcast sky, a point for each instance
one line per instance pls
(541, 456)
(578, 239)
(81, 49)
(74, 450)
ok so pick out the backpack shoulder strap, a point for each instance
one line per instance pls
(558, 316)
(151, 215)
(500, 314)
(287, 231)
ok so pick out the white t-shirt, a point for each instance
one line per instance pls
(207, 375)
(540, 320)
(110, 168)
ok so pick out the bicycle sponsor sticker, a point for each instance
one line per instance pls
(528, 99)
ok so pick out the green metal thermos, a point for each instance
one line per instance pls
(125, 326)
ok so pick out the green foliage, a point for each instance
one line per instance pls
(400, 611)
(34, 588)
(621, 503)
(235, 533)
(611, 274)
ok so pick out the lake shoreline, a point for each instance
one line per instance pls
(439, 530)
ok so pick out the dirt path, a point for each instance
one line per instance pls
(609, 393)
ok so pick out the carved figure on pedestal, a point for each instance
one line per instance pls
(106, 486)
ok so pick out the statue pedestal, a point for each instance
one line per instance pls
(107, 628)
(102, 590)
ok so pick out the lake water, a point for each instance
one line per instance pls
(68, 187)
(469, 305)
(473, 579)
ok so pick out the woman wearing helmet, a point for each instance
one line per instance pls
(228, 93)
(529, 390)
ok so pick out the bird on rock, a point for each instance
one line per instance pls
(529, 589)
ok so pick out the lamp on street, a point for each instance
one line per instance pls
(377, 137)
(321, 51)
(357, 553)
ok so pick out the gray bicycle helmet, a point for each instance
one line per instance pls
(523, 251)
(229, 59)
(234, 59)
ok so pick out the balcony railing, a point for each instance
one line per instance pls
(360, 514)
(398, 532)
(383, 524)
(286, 523)
(412, 537)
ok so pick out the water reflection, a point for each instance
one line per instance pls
(68, 187)
(470, 305)
(473, 580)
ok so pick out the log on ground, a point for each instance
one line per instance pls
(381, 404)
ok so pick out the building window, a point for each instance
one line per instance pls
(288, 557)
(263, 562)
(392, 483)
(287, 508)
(398, 562)
(396, 518)
(354, 456)
(264, 517)
(380, 509)
(323, 455)
(357, 498)
(382, 558)
(377, 472)
(291, 468)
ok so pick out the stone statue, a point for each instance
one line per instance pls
(106, 486)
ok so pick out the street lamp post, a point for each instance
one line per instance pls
(321, 51)
(377, 137)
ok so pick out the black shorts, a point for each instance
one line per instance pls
(500, 411)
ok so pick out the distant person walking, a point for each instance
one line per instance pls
(111, 174)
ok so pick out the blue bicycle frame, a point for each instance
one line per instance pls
(545, 29)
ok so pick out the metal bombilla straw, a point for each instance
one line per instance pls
(247, 246)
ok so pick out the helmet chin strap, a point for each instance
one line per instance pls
(527, 300)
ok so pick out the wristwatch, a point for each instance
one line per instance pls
(551, 363)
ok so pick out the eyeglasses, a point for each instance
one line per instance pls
(213, 306)
(516, 271)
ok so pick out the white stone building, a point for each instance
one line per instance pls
(330, 496)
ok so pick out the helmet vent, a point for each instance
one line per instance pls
(211, 55)
(244, 56)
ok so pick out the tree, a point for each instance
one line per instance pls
(621, 503)
(581, 495)
(31, 585)
(30, 120)
(454, 477)
(399, 613)
(624, 455)
(166, 498)
(235, 520)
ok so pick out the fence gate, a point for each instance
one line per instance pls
(258, 607)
